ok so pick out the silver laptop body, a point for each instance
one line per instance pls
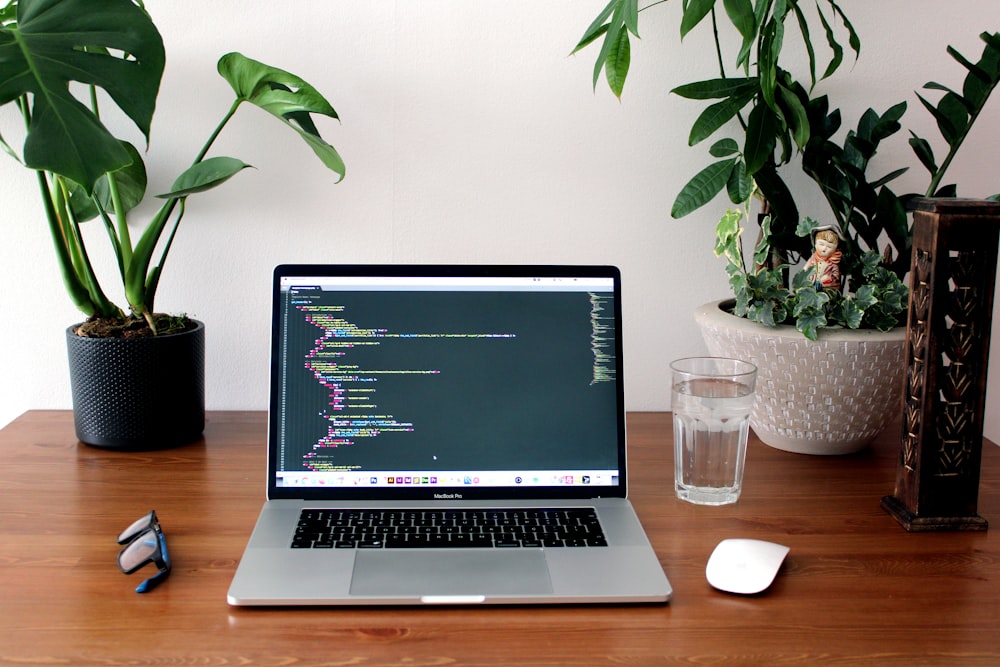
(410, 404)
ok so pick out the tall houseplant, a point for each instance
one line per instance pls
(775, 117)
(112, 52)
(776, 120)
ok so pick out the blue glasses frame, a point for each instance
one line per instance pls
(144, 544)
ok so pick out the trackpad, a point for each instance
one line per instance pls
(434, 572)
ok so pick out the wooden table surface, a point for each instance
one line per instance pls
(855, 588)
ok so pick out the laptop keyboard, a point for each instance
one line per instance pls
(395, 529)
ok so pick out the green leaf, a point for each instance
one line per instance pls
(597, 27)
(702, 187)
(616, 10)
(797, 118)
(740, 185)
(204, 175)
(724, 148)
(767, 67)
(835, 47)
(747, 25)
(805, 226)
(727, 239)
(286, 97)
(807, 41)
(714, 89)
(954, 108)
(715, 116)
(809, 324)
(56, 42)
(850, 314)
(631, 16)
(888, 123)
(741, 14)
(852, 36)
(617, 62)
(694, 12)
(947, 130)
(761, 136)
(131, 182)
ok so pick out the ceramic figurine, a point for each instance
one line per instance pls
(825, 261)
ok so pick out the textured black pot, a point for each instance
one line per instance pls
(138, 393)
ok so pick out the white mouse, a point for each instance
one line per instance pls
(744, 566)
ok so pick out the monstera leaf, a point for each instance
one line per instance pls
(110, 44)
(285, 96)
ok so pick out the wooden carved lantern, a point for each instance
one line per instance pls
(952, 275)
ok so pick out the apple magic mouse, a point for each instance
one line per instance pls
(744, 566)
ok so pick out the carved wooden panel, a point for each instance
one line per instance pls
(948, 334)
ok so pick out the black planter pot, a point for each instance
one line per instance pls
(138, 393)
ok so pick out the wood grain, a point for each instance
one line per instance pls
(856, 587)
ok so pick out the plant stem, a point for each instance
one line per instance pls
(953, 150)
(218, 130)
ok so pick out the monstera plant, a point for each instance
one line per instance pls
(137, 376)
(111, 51)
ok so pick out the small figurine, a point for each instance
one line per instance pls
(825, 260)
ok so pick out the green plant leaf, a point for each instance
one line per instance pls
(945, 125)
(795, 115)
(631, 16)
(727, 239)
(715, 116)
(807, 41)
(702, 187)
(204, 175)
(694, 12)
(767, 66)
(740, 185)
(714, 89)
(724, 148)
(616, 63)
(286, 97)
(131, 182)
(741, 15)
(56, 42)
(761, 136)
(597, 28)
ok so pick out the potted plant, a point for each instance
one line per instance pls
(849, 335)
(145, 386)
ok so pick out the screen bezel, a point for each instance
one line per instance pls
(440, 493)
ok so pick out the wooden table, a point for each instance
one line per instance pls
(855, 588)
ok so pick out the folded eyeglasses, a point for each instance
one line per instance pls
(144, 543)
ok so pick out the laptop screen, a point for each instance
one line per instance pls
(446, 382)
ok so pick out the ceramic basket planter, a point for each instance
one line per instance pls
(831, 396)
(138, 393)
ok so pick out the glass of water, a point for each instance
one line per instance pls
(711, 399)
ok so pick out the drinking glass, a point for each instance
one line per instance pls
(711, 399)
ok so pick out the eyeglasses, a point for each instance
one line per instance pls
(144, 543)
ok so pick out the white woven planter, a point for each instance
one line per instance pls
(832, 396)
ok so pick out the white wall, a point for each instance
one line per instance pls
(469, 136)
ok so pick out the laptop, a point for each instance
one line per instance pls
(447, 435)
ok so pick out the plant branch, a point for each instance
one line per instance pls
(218, 131)
(953, 150)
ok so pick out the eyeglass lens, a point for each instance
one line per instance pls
(137, 527)
(139, 551)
